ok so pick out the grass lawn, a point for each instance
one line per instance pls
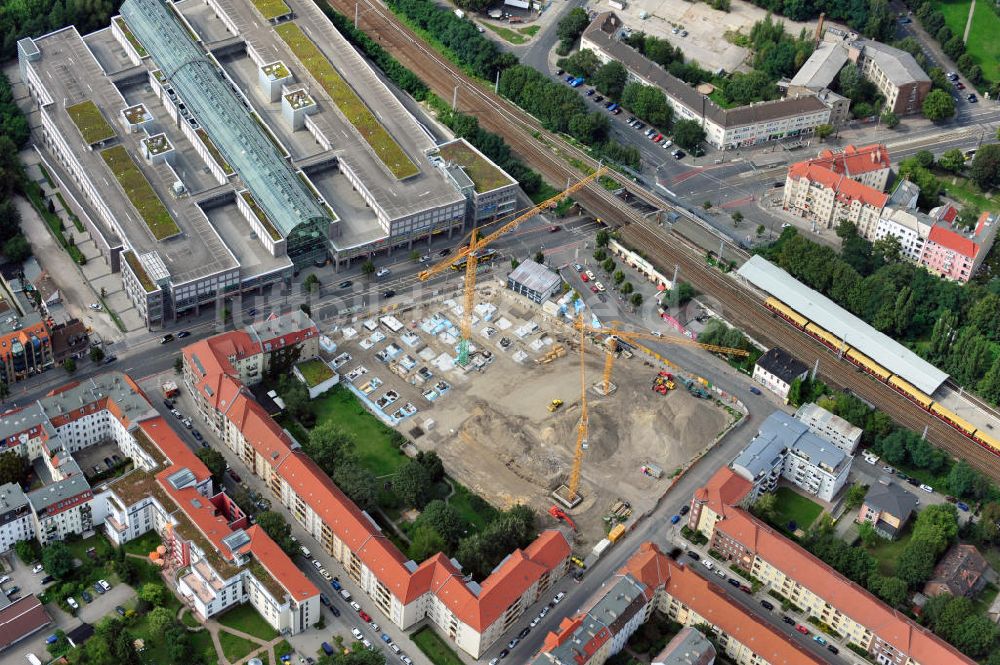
(281, 648)
(506, 33)
(376, 446)
(353, 108)
(792, 507)
(966, 192)
(531, 30)
(103, 549)
(983, 45)
(235, 648)
(272, 9)
(90, 121)
(144, 544)
(189, 620)
(474, 509)
(201, 644)
(140, 193)
(435, 648)
(887, 553)
(985, 598)
(246, 619)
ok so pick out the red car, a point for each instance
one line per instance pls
(744, 588)
(593, 289)
(584, 277)
(235, 476)
(657, 138)
(364, 615)
(554, 229)
(802, 629)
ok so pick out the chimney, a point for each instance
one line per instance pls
(819, 28)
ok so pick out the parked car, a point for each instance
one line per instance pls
(927, 488)
(694, 555)
(679, 154)
(166, 338)
(365, 616)
(346, 284)
(755, 390)
(832, 649)
(802, 629)
(787, 619)
(182, 334)
(745, 588)
(513, 643)
(235, 476)
(196, 434)
(819, 640)
(524, 633)
(335, 583)
(14, 589)
(98, 588)
(735, 582)
(675, 519)
(356, 633)
(382, 272)
(336, 612)
(52, 639)
(48, 579)
(972, 99)
(684, 509)
(767, 605)
(37, 569)
(120, 610)
(94, 306)
(72, 603)
(961, 505)
(559, 596)
(324, 599)
(388, 293)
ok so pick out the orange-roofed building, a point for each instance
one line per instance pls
(471, 615)
(955, 253)
(785, 567)
(651, 581)
(846, 185)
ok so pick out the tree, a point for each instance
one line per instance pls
(358, 484)
(57, 560)
(737, 218)
(608, 265)
(890, 119)
(178, 365)
(330, 445)
(589, 127)
(610, 79)
(69, 365)
(17, 249)
(425, 542)
(688, 134)
(444, 519)
(278, 529)
(915, 564)
(766, 507)
(153, 593)
(954, 47)
(989, 386)
(985, 168)
(966, 482)
(936, 526)
(647, 102)
(706, 204)
(938, 105)
(952, 160)
(539, 256)
(601, 239)
(855, 496)
(214, 462)
(891, 589)
(866, 531)
(627, 288)
(159, 619)
(25, 551)
(432, 462)
(636, 299)
(572, 26)
(823, 131)
(412, 484)
(618, 277)
(311, 283)
(96, 354)
(368, 268)
(13, 468)
(582, 63)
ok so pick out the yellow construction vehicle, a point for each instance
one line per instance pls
(554, 405)
(470, 254)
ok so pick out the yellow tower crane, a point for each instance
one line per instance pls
(581, 431)
(614, 334)
(470, 253)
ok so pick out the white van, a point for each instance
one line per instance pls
(345, 594)
(33, 659)
(305, 551)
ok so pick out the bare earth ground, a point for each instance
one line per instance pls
(495, 434)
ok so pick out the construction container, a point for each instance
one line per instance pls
(651, 469)
(616, 533)
(600, 547)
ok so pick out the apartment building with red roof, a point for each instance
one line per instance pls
(955, 253)
(719, 512)
(215, 558)
(473, 616)
(837, 186)
(651, 581)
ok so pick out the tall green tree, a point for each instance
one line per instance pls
(215, 463)
(985, 167)
(57, 560)
(610, 79)
(938, 105)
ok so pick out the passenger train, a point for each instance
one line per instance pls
(897, 383)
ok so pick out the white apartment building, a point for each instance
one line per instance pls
(16, 520)
(785, 449)
(777, 370)
(911, 228)
(828, 426)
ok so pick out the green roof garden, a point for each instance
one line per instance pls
(484, 175)
(315, 372)
(90, 121)
(272, 9)
(298, 99)
(353, 108)
(261, 215)
(276, 71)
(133, 262)
(157, 145)
(136, 115)
(140, 193)
(123, 26)
(214, 151)
(160, 76)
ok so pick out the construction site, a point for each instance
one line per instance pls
(507, 424)
(533, 403)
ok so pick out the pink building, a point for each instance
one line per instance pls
(955, 255)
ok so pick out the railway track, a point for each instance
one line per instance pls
(550, 155)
